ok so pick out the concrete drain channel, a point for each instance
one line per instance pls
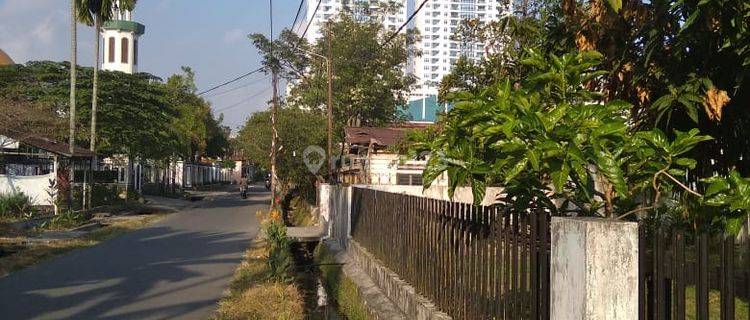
(319, 304)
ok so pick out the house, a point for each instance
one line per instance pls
(370, 159)
(33, 164)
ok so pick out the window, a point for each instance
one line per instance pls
(409, 179)
(124, 50)
(111, 49)
(135, 51)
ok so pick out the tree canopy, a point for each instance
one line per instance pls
(138, 113)
(370, 84)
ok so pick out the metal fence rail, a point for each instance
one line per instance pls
(473, 262)
(689, 275)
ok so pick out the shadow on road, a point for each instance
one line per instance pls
(165, 271)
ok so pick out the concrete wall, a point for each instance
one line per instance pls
(335, 210)
(462, 194)
(594, 269)
(32, 186)
(401, 293)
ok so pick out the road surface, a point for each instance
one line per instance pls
(177, 268)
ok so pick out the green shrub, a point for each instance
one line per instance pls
(65, 220)
(279, 258)
(103, 194)
(15, 204)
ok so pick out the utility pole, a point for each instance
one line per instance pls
(274, 138)
(330, 105)
(72, 127)
(274, 133)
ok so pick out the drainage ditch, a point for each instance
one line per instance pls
(319, 304)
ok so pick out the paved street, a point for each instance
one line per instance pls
(177, 268)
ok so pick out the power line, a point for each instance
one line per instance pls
(243, 100)
(405, 23)
(296, 16)
(232, 81)
(237, 88)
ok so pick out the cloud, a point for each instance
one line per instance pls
(34, 29)
(234, 36)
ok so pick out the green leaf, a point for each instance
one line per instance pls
(560, 177)
(515, 170)
(533, 157)
(686, 162)
(609, 129)
(610, 168)
(734, 225)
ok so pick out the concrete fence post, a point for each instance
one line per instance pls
(594, 269)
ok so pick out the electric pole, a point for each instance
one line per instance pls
(274, 138)
(331, 166)
(72, 124)
(274, 133)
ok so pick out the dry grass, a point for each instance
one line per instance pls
(714, 296)
(39, 252)
(253, 295)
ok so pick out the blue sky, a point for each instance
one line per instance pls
(207, 35)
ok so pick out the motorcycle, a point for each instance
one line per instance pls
(243, 192)
(268, 184)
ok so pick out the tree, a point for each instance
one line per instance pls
(139, 114)
(297, 129)
(554, 145)
(95, 13)
(25, 119)
(369, 83)
(680, 64)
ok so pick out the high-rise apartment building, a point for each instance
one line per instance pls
(437, 22)
(360, 9)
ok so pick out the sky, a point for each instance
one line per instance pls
(209, 36)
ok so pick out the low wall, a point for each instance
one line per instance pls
(33, 186)
(406, 298)
(462, 194)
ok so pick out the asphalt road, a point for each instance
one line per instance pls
(177, 268)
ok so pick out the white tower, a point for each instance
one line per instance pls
(121, 42)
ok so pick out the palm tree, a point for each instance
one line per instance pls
(95, 13)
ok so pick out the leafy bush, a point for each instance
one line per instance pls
(279, 258)
(552, 143)
(65, 220)
(103, 194)
(15, 204)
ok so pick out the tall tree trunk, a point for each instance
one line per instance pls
(95, 90)
(73, 62)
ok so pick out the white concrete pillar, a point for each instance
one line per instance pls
(594, 269)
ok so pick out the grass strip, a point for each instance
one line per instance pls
(254, 294)
(37, 253)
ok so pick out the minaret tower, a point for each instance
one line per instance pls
(121, 41)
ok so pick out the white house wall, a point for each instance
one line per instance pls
(33, 186)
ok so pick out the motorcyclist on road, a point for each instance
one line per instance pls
(243, 188)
